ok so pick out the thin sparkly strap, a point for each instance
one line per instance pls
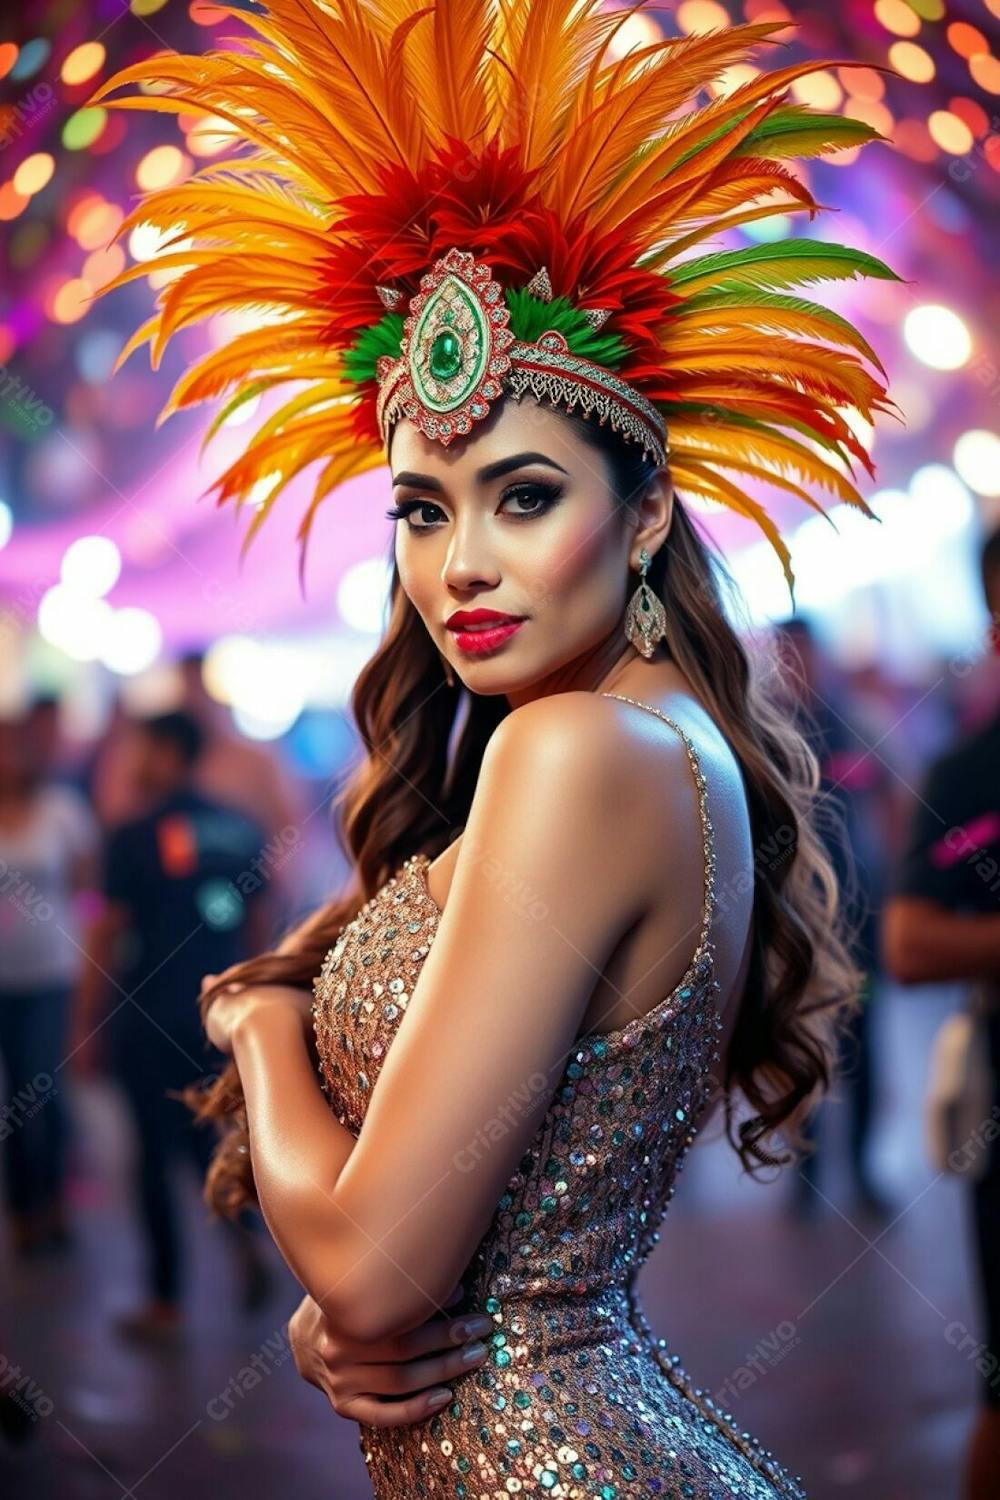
(707, 830)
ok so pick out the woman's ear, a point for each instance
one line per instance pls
(654, 514)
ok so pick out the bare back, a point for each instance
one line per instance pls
(653, 956)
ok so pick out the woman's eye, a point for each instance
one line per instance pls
(537, 497)
(405, 510)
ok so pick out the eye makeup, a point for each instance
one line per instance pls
(544, 492)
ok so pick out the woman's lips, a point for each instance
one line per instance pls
(483, 637)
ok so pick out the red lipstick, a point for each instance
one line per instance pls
(477, 630)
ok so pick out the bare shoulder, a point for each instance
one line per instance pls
(553, 760)
(580, 756)
(598, 743)
(583, 731)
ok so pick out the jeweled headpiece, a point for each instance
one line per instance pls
(459, 355)
(433, 205)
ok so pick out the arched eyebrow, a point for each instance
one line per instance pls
(485, 476)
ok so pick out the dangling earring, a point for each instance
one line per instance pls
(645, 618)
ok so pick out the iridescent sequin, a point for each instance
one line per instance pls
(578, 1399)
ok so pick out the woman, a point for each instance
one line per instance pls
(586, 867)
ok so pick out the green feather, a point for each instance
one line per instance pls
(383, 337)
(801, 132)
(781, 264)
(704, 141)
(530, 317)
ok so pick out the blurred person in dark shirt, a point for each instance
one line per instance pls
(184, 896)
(942, 923)
(853, 818)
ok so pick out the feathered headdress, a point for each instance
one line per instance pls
(435, 203)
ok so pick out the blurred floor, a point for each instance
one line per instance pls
(833, 1350)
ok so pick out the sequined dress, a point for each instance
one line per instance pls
(578, 1400)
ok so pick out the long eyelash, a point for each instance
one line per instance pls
(548, 492)
(400, 512)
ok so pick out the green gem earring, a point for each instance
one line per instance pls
(645, 617)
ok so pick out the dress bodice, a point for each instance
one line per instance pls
(582, 1208)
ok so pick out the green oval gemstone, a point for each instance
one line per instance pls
(446, 355)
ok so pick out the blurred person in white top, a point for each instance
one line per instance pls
(49, 850)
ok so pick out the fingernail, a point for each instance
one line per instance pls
(473, 1353)
(472, 1328)
(438, 1398)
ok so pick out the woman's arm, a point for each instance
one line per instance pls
(924, 941)
(552, 871)
(297, 1147)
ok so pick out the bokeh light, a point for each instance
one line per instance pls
(819, 90)
(96, 224)
(82, 63)
(972, 113)
(160, 167)
(131, 641)
(12, 202)
(977, 459)
(949, 132)
(985, 70)
(862, 83)
(701, 15)
(91, 566)
(898, 17)
(83, 128)
(32, 56)
(72, 301)
(913, 61)
(967, 40)
(34, 173)
(76, 623)
(937, 336)
(102, 266)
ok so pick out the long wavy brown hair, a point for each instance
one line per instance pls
(424, 742)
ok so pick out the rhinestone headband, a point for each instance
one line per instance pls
(459, 356)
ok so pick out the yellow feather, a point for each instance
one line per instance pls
(292, 357)
(712, 321)
(690, 474)
(720, 226)
(601, 146)
(683, 185)
(691, 130)
(810, 366)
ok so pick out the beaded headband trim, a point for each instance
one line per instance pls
(459, 355)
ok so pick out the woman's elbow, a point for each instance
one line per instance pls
(373, 1300)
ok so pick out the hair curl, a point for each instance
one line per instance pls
(413, 792)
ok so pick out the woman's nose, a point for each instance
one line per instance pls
(468, 561)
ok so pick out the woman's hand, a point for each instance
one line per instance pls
(237, 1002)
(389, 1383)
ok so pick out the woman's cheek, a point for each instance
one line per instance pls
(573, 560)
